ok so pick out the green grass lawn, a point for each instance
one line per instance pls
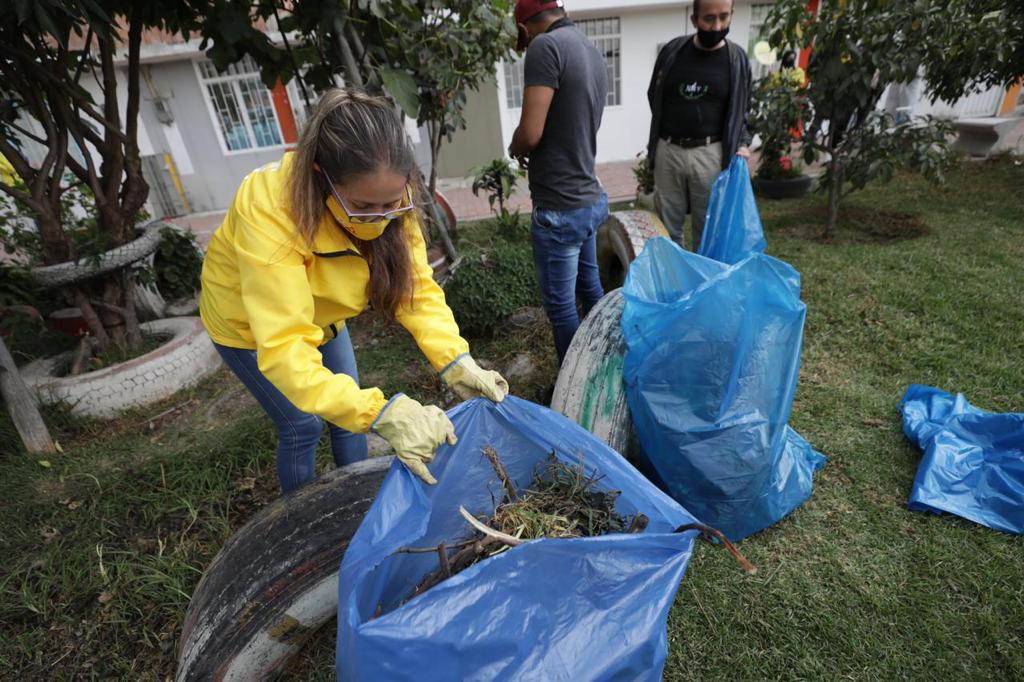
(100, 547)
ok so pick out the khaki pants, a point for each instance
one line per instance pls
(682, 184)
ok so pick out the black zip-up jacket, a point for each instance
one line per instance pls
(735, 134)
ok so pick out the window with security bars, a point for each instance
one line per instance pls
(604, 34)
(514, 83)
(241, 105)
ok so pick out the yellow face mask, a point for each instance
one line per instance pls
(364, 226)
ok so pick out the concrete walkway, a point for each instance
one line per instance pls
(616, 176)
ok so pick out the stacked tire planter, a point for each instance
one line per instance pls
(185, 358)
(182, 361)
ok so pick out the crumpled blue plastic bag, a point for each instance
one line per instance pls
(713, 352)
(732, 228)
(573, 609)
(973, 464)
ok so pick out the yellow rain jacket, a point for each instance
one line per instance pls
(265, 289)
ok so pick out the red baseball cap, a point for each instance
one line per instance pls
(528, 9)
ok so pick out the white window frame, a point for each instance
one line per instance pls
(514, 82)
(239, 71)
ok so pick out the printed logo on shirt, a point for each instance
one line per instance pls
(693, 91)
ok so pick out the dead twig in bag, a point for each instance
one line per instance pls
(561, 502)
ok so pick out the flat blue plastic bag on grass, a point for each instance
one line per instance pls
(973, 464)
(713, 352)
(732, 228)
(575, 609)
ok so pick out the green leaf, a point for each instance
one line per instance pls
(402, 87)
(46, 24)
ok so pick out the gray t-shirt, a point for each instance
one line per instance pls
(561, 169)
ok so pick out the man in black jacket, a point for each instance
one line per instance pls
(699, 96)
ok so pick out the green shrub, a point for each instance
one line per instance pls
(489, 286)
(177, 264)
(512, 227)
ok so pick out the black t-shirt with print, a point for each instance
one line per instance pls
(696, 93)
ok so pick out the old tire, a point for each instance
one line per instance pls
(179, 363)
(63, 274)
(620, 239)
(275, 581)
(589, 389)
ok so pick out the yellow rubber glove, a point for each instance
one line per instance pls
(414, 431)
(469, 380)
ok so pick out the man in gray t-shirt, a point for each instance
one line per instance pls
(565, 87)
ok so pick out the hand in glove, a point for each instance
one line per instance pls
(469, 380)
(414, 431)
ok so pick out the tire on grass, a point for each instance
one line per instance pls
(275, 581)
(589, 389)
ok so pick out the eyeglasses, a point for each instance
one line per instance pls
(369, 217)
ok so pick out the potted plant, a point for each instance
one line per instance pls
(777, 115)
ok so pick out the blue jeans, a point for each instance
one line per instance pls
(299, 432)
(565, 256)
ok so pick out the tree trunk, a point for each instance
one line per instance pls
(435, 213)
(353, 77)
(21, 404)
(435, 151)
(91, 318)
(131, 317)
(835, 192)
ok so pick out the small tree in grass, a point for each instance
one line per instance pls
(858, 48)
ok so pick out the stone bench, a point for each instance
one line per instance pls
(988, 135)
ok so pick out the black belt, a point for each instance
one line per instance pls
(689, 142)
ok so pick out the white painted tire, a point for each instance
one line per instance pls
(589, 389)
(62, 274)
(181, 362)
(620, 239)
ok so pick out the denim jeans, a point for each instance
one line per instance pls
(299, 432)
(565, 256)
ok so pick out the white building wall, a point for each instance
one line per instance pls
(644, 27)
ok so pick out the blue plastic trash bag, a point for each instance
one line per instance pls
(559, 609)
(711, 367)
(973, 464)
(732, 228)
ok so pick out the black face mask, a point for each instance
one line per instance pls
(710, 39)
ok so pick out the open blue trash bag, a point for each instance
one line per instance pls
(732, 228)
(572, 609)
(711, 367)
(973, 464)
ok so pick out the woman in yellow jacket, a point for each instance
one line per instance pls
(308, 243)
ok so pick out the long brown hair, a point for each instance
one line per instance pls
(350, 134)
